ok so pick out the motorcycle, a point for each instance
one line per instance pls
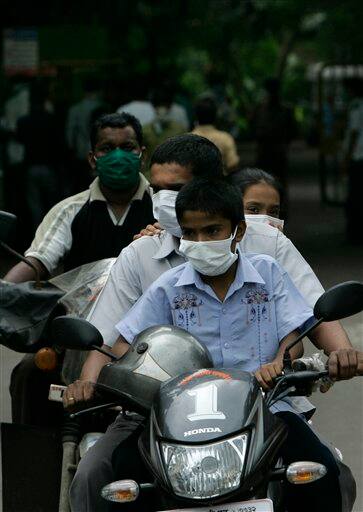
(211, 443)
(26, 312)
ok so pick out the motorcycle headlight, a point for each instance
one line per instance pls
(206, 471)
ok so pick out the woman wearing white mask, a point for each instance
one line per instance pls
(261, 195)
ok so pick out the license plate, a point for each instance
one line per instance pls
(241, 506)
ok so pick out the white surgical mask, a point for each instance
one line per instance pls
(164, 211)
(265, 219)
(211, 258)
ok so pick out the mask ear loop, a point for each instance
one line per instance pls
(233, 235)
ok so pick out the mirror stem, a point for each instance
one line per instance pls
(38, 285)
(92, 409)
(287, 357)
(105, 352)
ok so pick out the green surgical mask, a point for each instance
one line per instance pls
(119, 169)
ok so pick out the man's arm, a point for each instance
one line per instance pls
(22, 272)
(329, 336)
(82, 390)
(52, 241)
(122, 289)
(344, 360)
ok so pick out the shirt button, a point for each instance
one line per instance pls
(226, 345)
(224, 311)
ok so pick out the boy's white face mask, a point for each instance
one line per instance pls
(164, 211)
(211, 258)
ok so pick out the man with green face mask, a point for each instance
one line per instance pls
(99, 222)
(95, 224)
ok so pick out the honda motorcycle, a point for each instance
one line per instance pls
(211, 443)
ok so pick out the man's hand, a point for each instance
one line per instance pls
(267, 373)
(345, 363)
(150, 230)
(80, 391)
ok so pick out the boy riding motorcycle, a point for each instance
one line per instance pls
(246, 310)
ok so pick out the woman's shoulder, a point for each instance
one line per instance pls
(263, 238)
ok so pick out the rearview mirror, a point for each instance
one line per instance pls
(340, 301)
(75, 333)
(7, 227)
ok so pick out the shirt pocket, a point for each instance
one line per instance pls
(186, 311)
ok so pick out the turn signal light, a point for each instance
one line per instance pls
(305, 472)
(122, 491)
(46, 359)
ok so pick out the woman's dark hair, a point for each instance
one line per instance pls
(197, 153)
(116, 121)
(252, 176)
(214, 197)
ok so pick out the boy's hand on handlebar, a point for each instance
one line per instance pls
(267, 374)
(345, 363)
(78, 392)
(150, 230)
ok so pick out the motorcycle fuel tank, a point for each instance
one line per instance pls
(206, 405)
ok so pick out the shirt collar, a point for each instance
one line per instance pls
(169, 244)
(96, 193)
(246, 273)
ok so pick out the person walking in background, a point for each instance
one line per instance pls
(37, 131)
(274, 126)
(78, 126)
(206, 114)
(353, 160)
(140, 107)
(170, 120)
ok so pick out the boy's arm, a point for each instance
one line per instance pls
(268, 372)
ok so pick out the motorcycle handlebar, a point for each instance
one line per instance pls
(304, 376)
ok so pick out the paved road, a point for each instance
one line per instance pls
(319, 233)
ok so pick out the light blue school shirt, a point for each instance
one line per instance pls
(262, 306)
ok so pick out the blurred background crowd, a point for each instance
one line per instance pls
(252, 75)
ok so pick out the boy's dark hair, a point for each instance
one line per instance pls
(205, 110)
(197, 153)
(214, 197)
(116, 121)
(252, 176)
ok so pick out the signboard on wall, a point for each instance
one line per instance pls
(21, 51)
